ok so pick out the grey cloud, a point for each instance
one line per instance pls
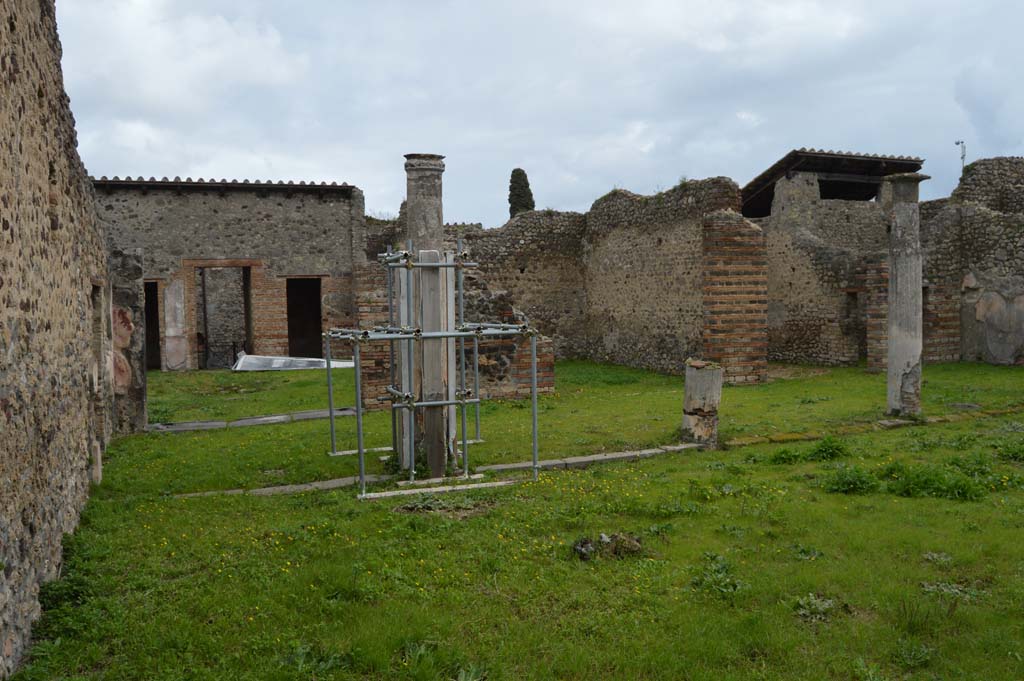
(584, 96)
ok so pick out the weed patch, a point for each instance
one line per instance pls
(814, 608)
(911, 654)
(827, 449)
(929, 480)
(785, 456)
(714, 576)
(850, 480)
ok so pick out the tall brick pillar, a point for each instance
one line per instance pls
(906, 325)
(735, 297)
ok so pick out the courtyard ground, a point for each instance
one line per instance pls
(870, 554)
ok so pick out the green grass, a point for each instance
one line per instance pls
(748, 570)
(221, 394)
(597, 408)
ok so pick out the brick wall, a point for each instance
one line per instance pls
(876, 311)
(734, 293)
(941, 309)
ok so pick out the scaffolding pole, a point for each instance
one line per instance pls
(359, 419)
(405, 399)
(330, 391)
(462, 363)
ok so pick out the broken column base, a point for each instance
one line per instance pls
(703, 392)
(905, 392)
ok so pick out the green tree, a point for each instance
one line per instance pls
(520, 197)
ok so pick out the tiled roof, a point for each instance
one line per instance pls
(177, 183)
(820, 160)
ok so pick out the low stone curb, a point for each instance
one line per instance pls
(571, 462)
(584, 461)
(320, 485)
(884, 424)
(272, 419)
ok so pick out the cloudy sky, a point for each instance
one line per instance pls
(585, 96)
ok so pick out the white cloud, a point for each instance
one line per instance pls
(149, 56)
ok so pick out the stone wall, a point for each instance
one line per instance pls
(621, 283)
(974, 257)
(993, 183)
(274, 230)
(816, 259)
(643, 262)
(55, 328)
(537, 259)
(222, 314)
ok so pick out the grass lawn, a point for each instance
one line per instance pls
(222, 394)
(877, 555)
(597, 408)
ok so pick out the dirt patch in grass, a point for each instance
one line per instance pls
(449, 507)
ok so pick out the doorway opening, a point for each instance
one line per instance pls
(223, 315)
(304, 314)
(151, 292)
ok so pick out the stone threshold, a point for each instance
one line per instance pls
(272, 419)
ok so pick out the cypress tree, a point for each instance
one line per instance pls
(520, 197)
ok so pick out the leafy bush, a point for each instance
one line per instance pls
(850, 480)
(827, 449)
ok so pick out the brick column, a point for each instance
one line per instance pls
(269, 312)
(370, 281)
(735, 297)
(521, 367)
(942, 322)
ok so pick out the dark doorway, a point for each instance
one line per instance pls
(152, 295)
(304, 318)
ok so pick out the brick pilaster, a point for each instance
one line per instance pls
(876, 311)
(735, 297)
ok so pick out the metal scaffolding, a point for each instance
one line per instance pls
(394, 333)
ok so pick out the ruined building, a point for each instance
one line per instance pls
(792, 267)
(266, 267)
(100, 280)
(800, 276)
(232, 266)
